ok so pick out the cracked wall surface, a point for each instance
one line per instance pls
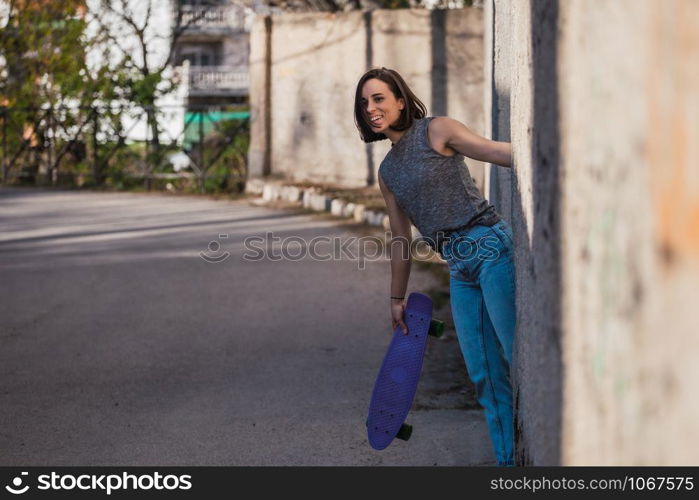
(303, 124)
(602, 108)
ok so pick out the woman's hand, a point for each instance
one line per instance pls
(397, 311)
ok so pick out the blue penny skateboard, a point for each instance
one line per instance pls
(397, 380)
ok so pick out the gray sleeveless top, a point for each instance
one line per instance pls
(436, 191)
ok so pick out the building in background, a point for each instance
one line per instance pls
(214, 48)
(212, 55)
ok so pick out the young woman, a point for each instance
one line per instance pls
(422, 181)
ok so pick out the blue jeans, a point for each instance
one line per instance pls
(482, 284)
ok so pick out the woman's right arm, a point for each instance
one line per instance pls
(400, 255)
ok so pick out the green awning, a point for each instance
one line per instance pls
(208, 121)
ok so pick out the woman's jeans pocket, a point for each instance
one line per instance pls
(468, 253)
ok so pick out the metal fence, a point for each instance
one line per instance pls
(201, 148)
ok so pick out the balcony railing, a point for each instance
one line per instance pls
(215, 79)
(198, 18)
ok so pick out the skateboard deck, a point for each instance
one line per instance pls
(398, 377)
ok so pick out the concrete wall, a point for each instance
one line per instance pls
(631, 230)
(521, 103)
(604, 201)
(316, 61)
(259, 153)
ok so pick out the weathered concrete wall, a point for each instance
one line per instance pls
(400, 40)
(259, 151)
(605, 208)
(464, 64)
(440, 55)
(521, 101)
(629, 82)
(316, 60)
(497, 54)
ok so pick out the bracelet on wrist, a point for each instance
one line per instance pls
(398, 298)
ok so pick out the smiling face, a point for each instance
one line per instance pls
(380, 106)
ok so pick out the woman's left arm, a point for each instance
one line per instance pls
(459, 137)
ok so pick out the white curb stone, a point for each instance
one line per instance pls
(293, 193)
(374, 218)
(359, 213)
(307, 196)
(267, 192)
(348, 211)
(318, 202)
(254, 186)
(337, 207)
(386, 223)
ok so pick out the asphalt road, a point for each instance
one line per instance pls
(123, 342)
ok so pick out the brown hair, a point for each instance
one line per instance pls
(414, 109)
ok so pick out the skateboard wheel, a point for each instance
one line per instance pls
(436, 328)
(404, 432)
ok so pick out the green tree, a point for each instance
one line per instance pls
(46, 88)
(138, 38)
